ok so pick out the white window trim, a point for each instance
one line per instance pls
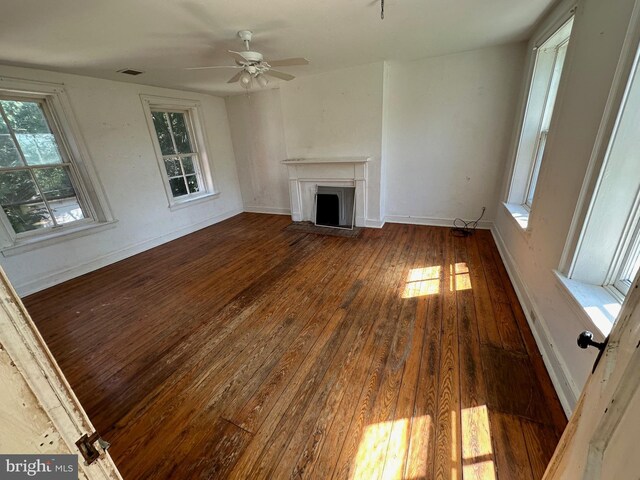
(598, 304)
(197, 127)
(89, 189)
(514, 203)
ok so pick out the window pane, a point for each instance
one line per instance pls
(162, 131)
(32, 132)
(55, 184)
(28, 216)
(180, 132)
(173, 167)
(39, 148)
(187, 164)
(21, 201)
(9, 156)
(192, 181)
(178, 187)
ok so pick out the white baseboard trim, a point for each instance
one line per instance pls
(431, 221)
(272, 210)
(60, 276)
(374, 223)
(566, 388)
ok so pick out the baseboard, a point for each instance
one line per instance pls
(272, 210)
(566, 389)
(60, 276)
(432, 221)
(374, 223)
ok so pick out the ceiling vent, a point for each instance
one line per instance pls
(129, 71)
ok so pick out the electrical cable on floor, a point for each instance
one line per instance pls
(464, 228)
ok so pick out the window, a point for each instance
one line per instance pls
(180, 148)
(548, 62)
(602, 254)
(37, 179)
(630, 265)
(46, 188)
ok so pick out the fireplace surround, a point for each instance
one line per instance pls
(306, 174)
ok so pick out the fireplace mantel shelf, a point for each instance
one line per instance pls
(316, 161)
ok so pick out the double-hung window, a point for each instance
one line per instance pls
(43, 183)
(178, 138)
(602, 254)
(548, 63)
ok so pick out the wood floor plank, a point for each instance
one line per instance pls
(421, 452)
(551, 397)
(476, 442)
(245, 350)
(511, 455)
(507, 327)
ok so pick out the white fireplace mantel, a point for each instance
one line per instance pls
(305, 174)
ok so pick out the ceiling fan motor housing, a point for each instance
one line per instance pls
(252, 57)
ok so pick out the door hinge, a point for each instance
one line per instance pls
(87, 447)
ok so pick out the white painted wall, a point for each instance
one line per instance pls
(338, 114)
(114, 128)
(531, 256)
(334, 114)
(438, 128)
(258, 142)
(447, 130)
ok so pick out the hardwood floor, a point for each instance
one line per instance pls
(247, 351)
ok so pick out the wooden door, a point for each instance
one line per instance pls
(44, 414)
(601, 440)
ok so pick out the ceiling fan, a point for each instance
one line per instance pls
(253, 66)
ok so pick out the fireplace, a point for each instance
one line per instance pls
(335, 206)
(338, 174)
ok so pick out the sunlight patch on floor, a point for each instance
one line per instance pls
(459, 278)
(477, 451)
(423, 281)
(384, 447)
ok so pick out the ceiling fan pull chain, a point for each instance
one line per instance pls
(381, 9)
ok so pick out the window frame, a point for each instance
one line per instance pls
(527, 150)
(89, 191)
(67, 163)
(195, 126)
(619, 278)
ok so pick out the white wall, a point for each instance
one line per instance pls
(338, 114)
(438, 128)
(114, 128)
(334, 114)
(258, 142)
(448, 124)
(531, 256)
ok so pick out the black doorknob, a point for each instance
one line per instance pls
(585, 340)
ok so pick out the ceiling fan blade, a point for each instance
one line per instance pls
(238, 56)
(288, 62)
(235, 78)
(216, 66)
(280, 75)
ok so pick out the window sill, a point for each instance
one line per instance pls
(594, 303)
(33, 243)
(519, 214)
(193, 201)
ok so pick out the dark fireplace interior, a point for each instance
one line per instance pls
(328, 210)
(335, 206)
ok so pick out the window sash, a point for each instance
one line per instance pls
(66, 164)
(628, 268)
(533, 178)
(194, 154)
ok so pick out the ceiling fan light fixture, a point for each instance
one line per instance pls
(262, 80)
(245, 79)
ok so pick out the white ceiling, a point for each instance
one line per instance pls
(161, 37)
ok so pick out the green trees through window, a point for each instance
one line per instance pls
(36, 186)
